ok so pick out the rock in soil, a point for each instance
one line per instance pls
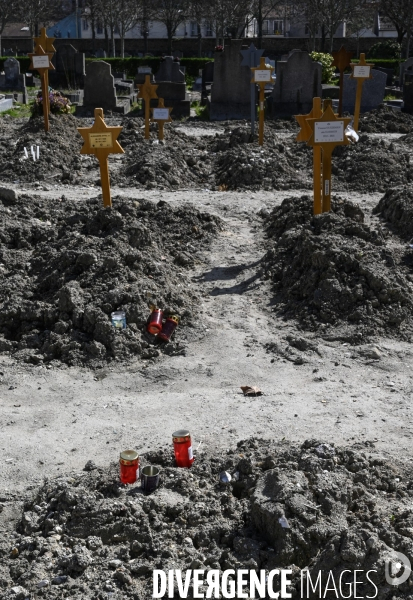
(67, 265)
(396, 207)
(315, 506)
(335, 270)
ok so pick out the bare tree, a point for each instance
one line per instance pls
(198, 12)
(128, 17)
(7, 12)
(230, 18)
(36, 12)
(146, 13)
(400, 13)
(91, 12)
(361, 18)
(171, 13)
(260, 11)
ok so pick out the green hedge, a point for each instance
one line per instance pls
(385, 63)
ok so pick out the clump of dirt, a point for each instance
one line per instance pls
(385, 119)
(314, 506)
(371, 165)
(67, 265)
(334, 270)
(59, 149)
(396, 207)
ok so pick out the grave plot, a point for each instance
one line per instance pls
(314, 506)
(67, 265)
(371, 165)
(385, 120)
(59, 158)
(396, 208)
(333, 272)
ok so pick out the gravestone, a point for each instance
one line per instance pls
(141, 74)
(207, 79)
(373, 92)
(70, 67)
(298, 82)
(407, 65)
(171, 87)
(5, 103)
(169, 70)
(230, 90)
(100, 92)
(408, 92)
(13, 81)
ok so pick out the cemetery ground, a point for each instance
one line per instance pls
(316, 312)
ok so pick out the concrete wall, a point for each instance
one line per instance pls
(189, 46)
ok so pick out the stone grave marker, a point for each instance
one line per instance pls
(169, 70)
(408, 92)
(407, 65)
(230, 90)
(100, 91)
(373, 92)
(207, 80)
(13, 81)
(171, 87)
(298, 82)
(70, 67)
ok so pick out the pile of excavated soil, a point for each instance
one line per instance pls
(334, 270)
(59, 149)
(371, 165)
(385, 120)
(278, 164)
(67, 265)
(396, 207)
(315, 506)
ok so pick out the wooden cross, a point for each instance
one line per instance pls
(45, 42)
(341, 61)
(361, 72)
(328, 131)
(101, 140)
(41, 62)
(262, 76)
(303, 136)
(147, 91)
(161, 115)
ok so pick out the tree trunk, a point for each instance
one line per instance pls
(170, 35)
(122, 45)
(259, 21)
(112, 38)
(323, 38)
(107, 40)
(0, 45)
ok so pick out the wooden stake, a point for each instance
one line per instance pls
(361, 71)
(341, 60)
(104, 180)
(147, 91)
(318, 204)
(161, 115)
(327, 152)
(261, 126)
(262, 76)
(45, 95)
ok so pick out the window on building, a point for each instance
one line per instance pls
(209, 30)
(265, 27)
(99, 27)
(194, 29)
(278, 27)
(85, 25)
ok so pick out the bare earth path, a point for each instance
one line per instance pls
(53, 421)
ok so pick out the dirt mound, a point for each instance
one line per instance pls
(66, 266)
(334, 269)
(371, 165)
(59, 150)
(385, 119)
(314, 506)
(396, 207)
(279, 165)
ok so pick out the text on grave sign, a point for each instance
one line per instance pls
(262, 75)
(329, 131)
(161, 114)
(361, 71)
(100, 140)
(41, 62)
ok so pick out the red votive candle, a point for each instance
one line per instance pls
(183, 448)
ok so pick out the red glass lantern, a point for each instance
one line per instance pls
(183, 448)
(154, 325)
(168, 328)
(129, 466)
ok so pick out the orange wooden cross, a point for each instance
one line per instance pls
(45, 42)
(147, 91)
(261, 76)
(101, 140)
(161, 115)
(328, 131)
(361, 72)
(41, 62)
(303, 136)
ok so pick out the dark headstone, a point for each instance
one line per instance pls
(230, 91)
(373, 92)
(407, 65)
(13, 81)
(99, 91)
(408, 92)
(169, 70)
(298, 82)
(70, 67)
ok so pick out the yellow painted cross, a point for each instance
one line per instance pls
(327, 131)
(341, 61)
(41, 62)
(261, 76)
(161, 115)
(303, 136)
(361, 72)
(147, 91)
(101, 140)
